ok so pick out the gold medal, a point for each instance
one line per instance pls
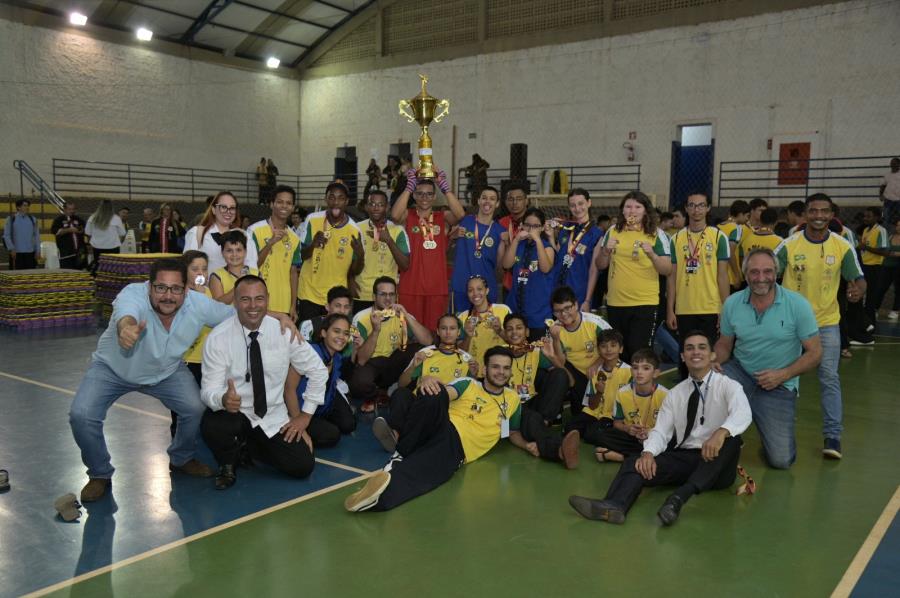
(429, 244)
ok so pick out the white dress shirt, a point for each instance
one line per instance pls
(226, 356)
(723, 404)
(213, 250)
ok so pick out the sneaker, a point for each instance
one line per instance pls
(384, 434)
(367, 497)
(669, 511)
(856, 343)
(569, 449)
(194, 468)
(893, 315)
(832, 449)
(94, 489)
(598, 510)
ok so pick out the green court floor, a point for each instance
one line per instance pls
(502, 527)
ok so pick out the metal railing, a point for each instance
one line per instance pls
(118, 180)
(46, 191)
(854, 178)
(597, 179)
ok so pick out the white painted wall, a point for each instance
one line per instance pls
(830, 69)
(64, 95)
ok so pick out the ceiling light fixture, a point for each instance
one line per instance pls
(144, 34)
(273, 62)
(76, 18)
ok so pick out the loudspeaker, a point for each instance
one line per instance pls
(518, 161)
(348, 152)
(401, 150)
(345, 170)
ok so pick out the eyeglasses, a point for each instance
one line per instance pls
(531, 226)
(695, 206)
(424, 193)
(227, 209)
(565, 309)
(162, 289)
(382, 294)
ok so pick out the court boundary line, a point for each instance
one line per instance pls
(865, 553)
(193, 537)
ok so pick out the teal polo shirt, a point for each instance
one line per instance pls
(771, 339)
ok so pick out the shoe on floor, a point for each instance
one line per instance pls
(94, 489)
(67, 506)
(225, 477)
(367, 496)
(832, 449)
(384, 434)
(598, 510)
(669, 511)
(857, 343)
(893, 315)
(569, 449)
(194, 468)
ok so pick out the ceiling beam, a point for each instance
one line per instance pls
(209, 13)
(273, 24)
(280, 12)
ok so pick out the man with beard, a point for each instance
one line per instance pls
(441, 429)
(386, 246)
(331, 251)
(770, 334)
(141, 350)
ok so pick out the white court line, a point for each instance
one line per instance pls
(166, 547)
(862, 558)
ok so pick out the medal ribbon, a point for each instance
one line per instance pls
(427, 227)
(479, 243)
(695, 247)
(573, 242)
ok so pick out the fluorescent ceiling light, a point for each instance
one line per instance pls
(76, 18)
(272, 62)
(144, 34)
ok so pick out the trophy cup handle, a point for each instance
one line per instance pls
(404, 104)
(444, 105)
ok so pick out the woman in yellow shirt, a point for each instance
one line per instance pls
(483, 323)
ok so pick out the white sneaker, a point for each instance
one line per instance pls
(893, 315)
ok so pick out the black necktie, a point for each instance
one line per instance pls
(693, 403)
(257, 376)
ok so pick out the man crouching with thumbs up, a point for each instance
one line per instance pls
(152, 325)
(245, 364)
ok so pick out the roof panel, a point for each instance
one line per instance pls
(325, 15)
(283, 52)
(219, 37)
(301, 32)
(191, 8)
(241, 17)
(159, 23)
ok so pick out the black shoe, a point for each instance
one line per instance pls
(226, 477)
(668, 513)
(244, 458)
(598, 510)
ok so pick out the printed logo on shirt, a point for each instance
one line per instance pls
(830, 260)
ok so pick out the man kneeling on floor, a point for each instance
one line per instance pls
(440, 429)
(694, 445)
(245, 364)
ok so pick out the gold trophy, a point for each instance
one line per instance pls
(424, 107)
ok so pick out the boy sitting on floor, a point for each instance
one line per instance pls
(636, 406)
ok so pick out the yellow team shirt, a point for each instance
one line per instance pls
(760, 238)
(874, 236)
(695, 259)
(524, 372)
(484, 337)
(379, 260)
(327, 267)
(734, 233)
(477, 416)
(228, 279)
(391, 337)
(580, 345)
(444, 366)
(637, 409)
(620, 374)
(276, 270)
(632, 278)
(194, 354)
(814, 270)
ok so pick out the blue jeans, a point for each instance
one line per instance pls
(101, 387)
(773, 413)
(830, 382)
